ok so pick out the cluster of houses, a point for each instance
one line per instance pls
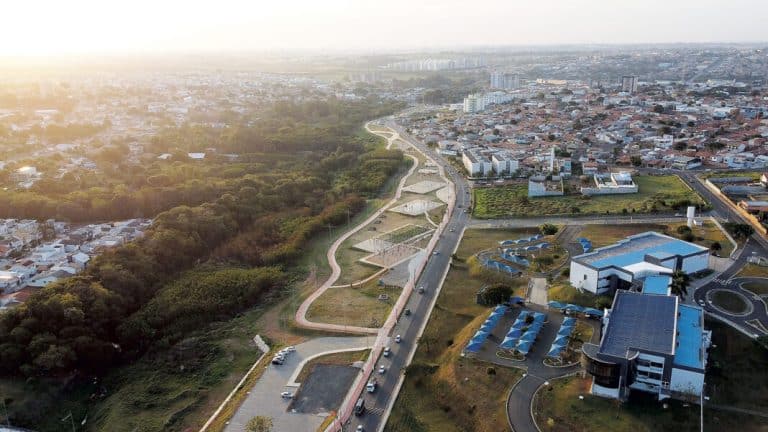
(33, 254)
(664, 125)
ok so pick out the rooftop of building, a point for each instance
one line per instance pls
(690, 331)
(657, 285)
(640, 322)
(634, 248)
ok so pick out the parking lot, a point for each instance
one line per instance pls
(324, 389)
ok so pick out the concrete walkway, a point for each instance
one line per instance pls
(301, 313)
(264, 398)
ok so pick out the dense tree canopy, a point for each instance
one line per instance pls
(224, 238)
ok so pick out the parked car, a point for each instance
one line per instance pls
(421, 289)
(382, 369)
(286, 395)
(386, 352)
(407, 312)
(359, 428)
(398, 339)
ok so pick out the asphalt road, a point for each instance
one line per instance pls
(419, 304)
(324, 389)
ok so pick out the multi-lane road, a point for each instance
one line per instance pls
(420, 305)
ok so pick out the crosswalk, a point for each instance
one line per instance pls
(376, 411)
(721, 281)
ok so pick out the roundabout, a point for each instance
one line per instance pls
(730, 302)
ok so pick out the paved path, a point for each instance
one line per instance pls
(301, 313)
(264, 398)
(430, 275)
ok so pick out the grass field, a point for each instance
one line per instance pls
(753, 270)
(603, 235)
(759, 288)
(354, 306)
(729, 302)
(734, 378)
(476, 240)
(659, 191)
(559, 409)
(443, 391)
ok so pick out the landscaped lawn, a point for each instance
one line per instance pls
(729, 301)
(659, 191)
(735, 377)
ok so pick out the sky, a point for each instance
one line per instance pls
(62, 27)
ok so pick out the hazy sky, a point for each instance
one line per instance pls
(42, 27)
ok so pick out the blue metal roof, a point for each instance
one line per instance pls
(657, 285)
(640, 321)
(633, 249)
(690, 334)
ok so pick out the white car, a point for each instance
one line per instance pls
(382, 369)
(359, 428)
(386, 352)
(398, 339)
(289, 349)
(286, 395)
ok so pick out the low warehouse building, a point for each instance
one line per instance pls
(637, 256)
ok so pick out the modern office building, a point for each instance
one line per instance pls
(629, 83)
(649, 342)
(619, 265)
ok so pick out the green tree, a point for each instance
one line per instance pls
(548, 229)
(496, 294)
(259, 424)
(680, 282)
(716, 247)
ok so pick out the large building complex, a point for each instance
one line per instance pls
(650, 342)
(634, 258)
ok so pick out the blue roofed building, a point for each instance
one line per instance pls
(634, 258)
(651, 343)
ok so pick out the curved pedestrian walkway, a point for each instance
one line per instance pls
(301, 313)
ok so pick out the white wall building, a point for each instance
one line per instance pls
(636, 257)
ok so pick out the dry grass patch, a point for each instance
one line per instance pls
(354, 306)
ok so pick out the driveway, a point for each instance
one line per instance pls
(264, 398)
